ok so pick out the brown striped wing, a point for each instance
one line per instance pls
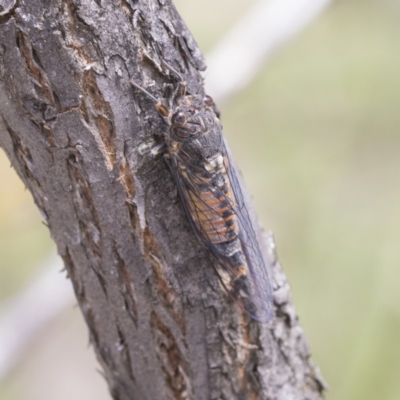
(259, 282)
(210, 207)
(211, 211)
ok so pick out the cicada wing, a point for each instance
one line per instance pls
(259, 283)
(255, 284)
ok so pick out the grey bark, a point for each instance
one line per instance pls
(78, 135)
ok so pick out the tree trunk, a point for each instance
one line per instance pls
(78, 135)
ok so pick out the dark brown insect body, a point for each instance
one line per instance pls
(211, 196)
(197, 147)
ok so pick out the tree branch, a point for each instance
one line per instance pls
(242, 52)
(77, 135)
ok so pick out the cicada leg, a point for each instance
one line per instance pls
(158, 150)
(181, 89)
(160, 106)
(167, 160)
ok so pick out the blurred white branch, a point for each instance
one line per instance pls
(23, 316)
(232, 65)
(242, 52)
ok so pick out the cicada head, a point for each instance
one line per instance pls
(193, 118)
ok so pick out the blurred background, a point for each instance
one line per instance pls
(316, 134)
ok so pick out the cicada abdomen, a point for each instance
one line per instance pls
(213, 201)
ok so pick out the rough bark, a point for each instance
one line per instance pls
(77, 135)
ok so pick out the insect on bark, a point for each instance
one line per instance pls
(211, 196)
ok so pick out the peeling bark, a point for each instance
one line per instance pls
(77, 135)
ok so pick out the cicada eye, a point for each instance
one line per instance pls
(208, 101)
(182, 133)
(179, 118)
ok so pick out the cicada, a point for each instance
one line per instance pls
(212, 198)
